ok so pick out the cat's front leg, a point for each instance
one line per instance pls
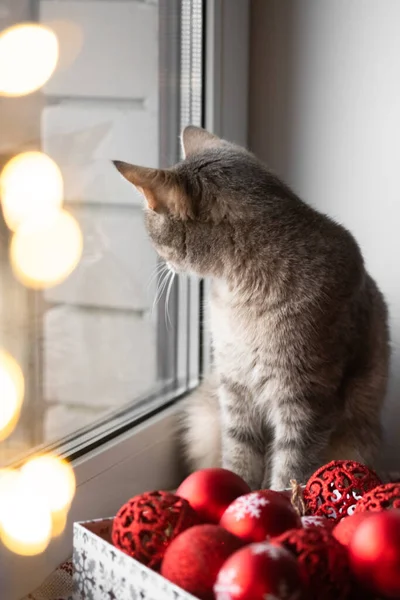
(242, 448)
(300, 442)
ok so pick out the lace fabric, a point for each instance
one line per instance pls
(58, 586)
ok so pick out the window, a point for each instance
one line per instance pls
(116, 337)
(193, 56)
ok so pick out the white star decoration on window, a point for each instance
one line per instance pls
(250, 504)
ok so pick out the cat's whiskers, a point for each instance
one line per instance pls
(167, 315)
(161, 287)
(158, 270)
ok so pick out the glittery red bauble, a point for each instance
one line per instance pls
(194, 558)
(146, 524)
(374, 553)
(382, 497)
(257, 516)
(258, 572)
(210, 492)
(323, 562)
(311, 521)
(335, 488)
(347, 526)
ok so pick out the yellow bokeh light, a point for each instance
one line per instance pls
(31, 188)
(53, 477)
(9, 478)
(43, 255)
(11, 394)
(28, 57)
(25, 517)
(59, 522)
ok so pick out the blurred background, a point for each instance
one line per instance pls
(96, 334)
(87, 345)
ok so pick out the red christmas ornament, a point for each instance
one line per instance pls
(323, 562)
(193, 559)
(258, 516)
(347, 526)
(286, 494)
(259, 572)
(335, 488)
(374, 553)
(146, 524)
(210, 492)
(311, 521)
(382, 497)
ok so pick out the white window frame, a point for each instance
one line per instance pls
(145, 456)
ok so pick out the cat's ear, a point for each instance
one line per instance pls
(160, 187)
(195, 140)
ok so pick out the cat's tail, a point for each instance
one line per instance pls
(200, 433)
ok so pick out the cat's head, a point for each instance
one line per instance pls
(196, 210)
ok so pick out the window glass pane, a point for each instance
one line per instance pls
(90, 327)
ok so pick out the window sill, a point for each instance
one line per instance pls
(144, 458)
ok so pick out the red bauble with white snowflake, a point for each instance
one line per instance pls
(374, 552)
(311, 521)
(211, 491)
(258, 516)
(383, 497)
(261, 571)
(334, 489)
(193, 559)
(322, 560)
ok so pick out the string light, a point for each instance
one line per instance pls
(58, 522)
(52, 476)
(8, 479)
(28, 58)
(11, 393)
(43, 255)
(31, 188)
(55, 479)
(25, 517)
(34, 503)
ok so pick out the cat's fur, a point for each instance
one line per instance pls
(299, 328)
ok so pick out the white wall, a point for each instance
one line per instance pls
(325, 113)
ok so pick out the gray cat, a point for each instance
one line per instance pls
(299, 328)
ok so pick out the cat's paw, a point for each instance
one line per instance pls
(280, 483)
